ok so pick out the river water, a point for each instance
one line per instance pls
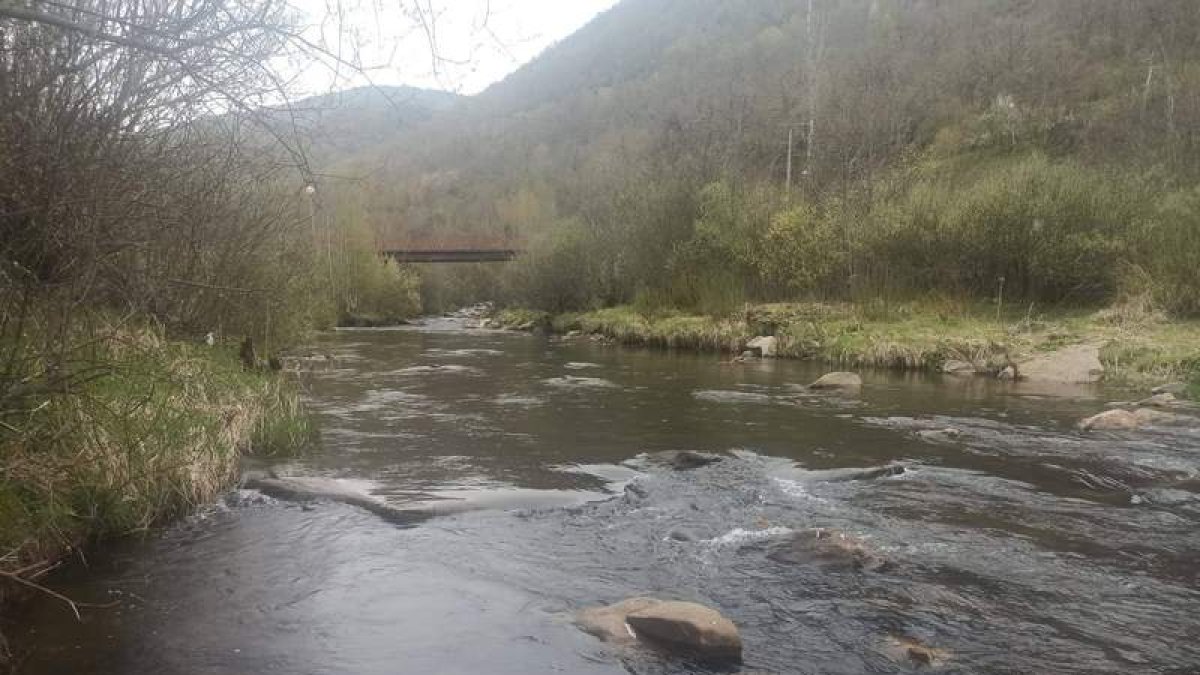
(1014, 543)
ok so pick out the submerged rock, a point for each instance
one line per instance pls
(1162, 400)
(1169, 402)
(947, 434)
(766, 347)
(910, 650)
(686, 628)
(1125, 420)
(325, 489)
(1111, 420)
(1152, 417)
(681, 535)
(829, 547)
(873, 473)
(837, 381)
(684, 460)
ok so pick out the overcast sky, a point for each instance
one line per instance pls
(479, 42)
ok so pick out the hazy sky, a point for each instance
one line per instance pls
(478, 41)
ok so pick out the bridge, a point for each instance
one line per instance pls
(449, 250)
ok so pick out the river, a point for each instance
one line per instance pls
(1015, 544)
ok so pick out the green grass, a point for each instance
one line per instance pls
(518, 318)
(1138, 350)
(159, 433)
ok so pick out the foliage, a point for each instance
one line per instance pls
(1026, 226)
(558, 272)
(1019, 228)
(1170, 252)
(154, 429)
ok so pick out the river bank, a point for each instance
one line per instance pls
(157, 430)
(1135, 348)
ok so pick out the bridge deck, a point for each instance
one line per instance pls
(451, 255)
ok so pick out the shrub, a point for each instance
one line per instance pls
(1171, 252)
(557, 273)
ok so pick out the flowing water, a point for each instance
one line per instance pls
(1014, 543)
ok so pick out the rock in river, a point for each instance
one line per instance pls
(1111, 420)
(608, 623)
(688, 628)
(325, 489)
(1173, 388)
(684, 460)
(766, 347)
(829, 547)
(1124, 420)
(838, 381)
(685, 628)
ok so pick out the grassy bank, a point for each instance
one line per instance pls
(145, 430)
(1138, 348)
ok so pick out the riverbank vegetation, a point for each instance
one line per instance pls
(147, 429)
(1037, 159)
(1138, 349)
(151, 219)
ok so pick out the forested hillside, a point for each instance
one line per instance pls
(937, 145)
(333, 127)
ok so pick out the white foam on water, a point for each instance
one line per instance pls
(571, 382)
(724, 396)
(739, 536)
(796, 489)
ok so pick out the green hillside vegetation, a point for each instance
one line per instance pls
(1038, 158)
(950, 148)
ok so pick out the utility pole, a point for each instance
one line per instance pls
(791, 133)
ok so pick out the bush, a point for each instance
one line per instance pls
(1049, 232)
(557, 273)
(804, 251)
(1171, 253)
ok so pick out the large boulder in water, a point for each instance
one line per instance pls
(837, 382)
(1124, 420)
(1111, 420)
(686, 628)
(608, 623)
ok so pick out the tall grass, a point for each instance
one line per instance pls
(158, 431)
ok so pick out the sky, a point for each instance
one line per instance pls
(394, 42)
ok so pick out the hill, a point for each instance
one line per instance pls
(341, 125)
(619, 140)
